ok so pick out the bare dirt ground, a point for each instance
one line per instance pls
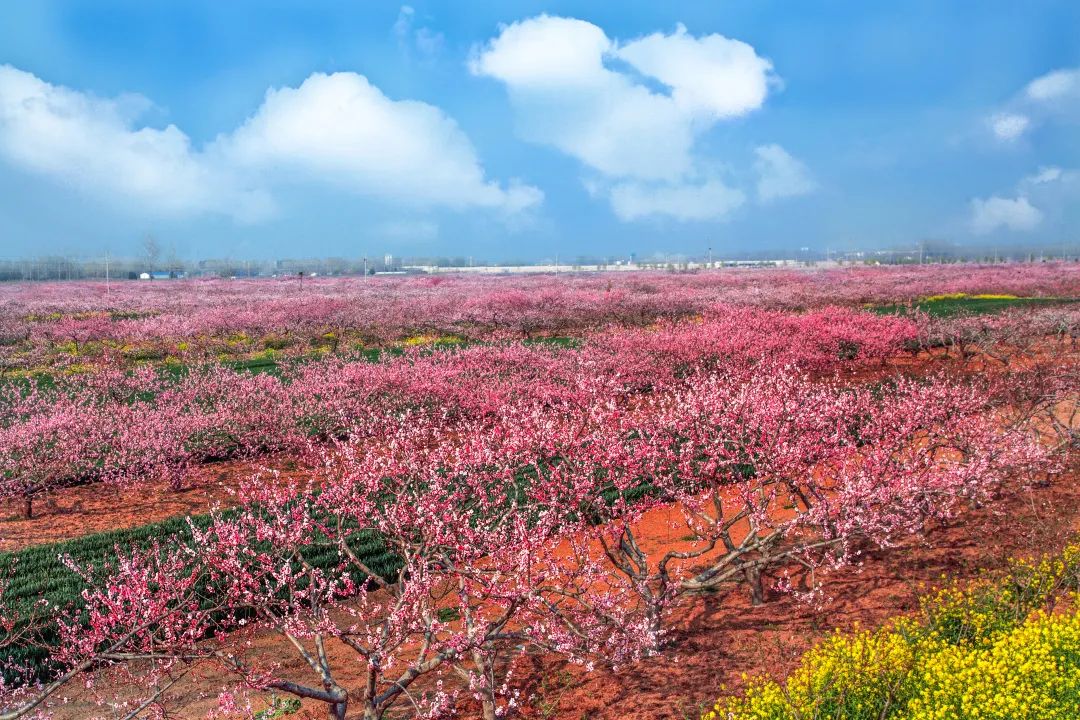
(79, 510)
(717, 638)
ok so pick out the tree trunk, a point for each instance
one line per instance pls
(753, 579)
(28, 507)
(336, 711)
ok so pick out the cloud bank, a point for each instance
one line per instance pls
(996, 212)
(333, 130)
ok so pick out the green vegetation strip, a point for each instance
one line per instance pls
(951, 306)
(39, 574)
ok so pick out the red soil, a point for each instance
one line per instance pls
(719, 637)
(81, 510)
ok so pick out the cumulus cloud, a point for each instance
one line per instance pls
(1043, 176)
(630, 111)
(343, 130)
(780, 175)
(712, 76)
(996, 212)
(337, 129)
(97, 146)
(1050, 193)
(1054, 85)
(1054, 96)
(564, 96)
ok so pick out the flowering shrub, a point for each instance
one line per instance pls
(991, 651)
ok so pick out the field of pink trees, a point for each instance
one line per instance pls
(65, 323)
(500, 475)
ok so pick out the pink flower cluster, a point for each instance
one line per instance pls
(130, 426)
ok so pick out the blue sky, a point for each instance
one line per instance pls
(518, 130)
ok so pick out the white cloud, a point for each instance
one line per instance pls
(1046, 198)
(1043, 176)
(96, 146)
(576, 89)
(711, 76)
(336, 129)
(1009, 126)
(1052, 97)
(403, 24)
(565, 97)
(1054, 85)
(780, 175)
(998, 212)
(710, 200)
(343, 130)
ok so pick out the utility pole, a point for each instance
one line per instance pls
(710, 257)
(556, 264)
(108, 287)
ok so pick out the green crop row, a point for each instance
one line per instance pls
(39, 574)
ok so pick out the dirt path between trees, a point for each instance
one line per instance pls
(72, 512)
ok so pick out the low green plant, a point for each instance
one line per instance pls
(279, 707)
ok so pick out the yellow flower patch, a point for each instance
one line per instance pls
(984, 652)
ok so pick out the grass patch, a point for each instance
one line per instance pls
(960, 304)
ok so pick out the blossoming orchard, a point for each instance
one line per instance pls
(602, 495)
